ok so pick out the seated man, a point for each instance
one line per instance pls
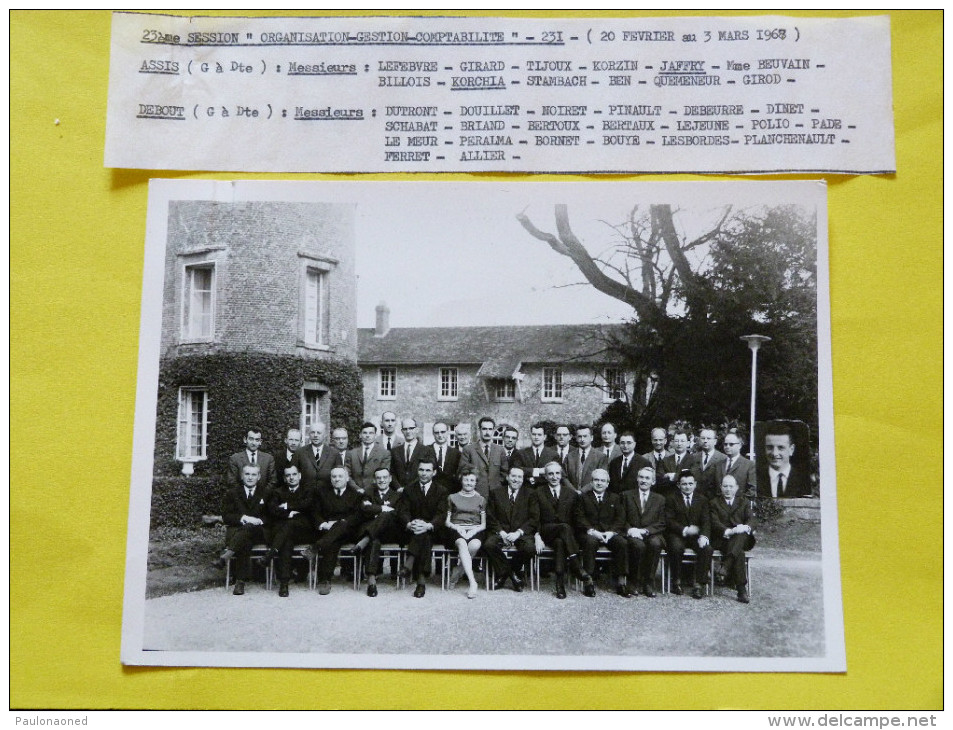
(512, 518)
(336, 515)
(244, 511)
(644, 523)
(290, 507)
(732, 532)
(600, 520)
(422, 512)
(379, 512)
(688, 524)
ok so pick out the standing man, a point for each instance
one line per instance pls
(624, 469)
(600, 521)
(688, 525)
(656, 457)
(336, 515)
(389, 437)
(244, 512)
(339, 439)
(485, 458)
(737, 466)
(314, 459)
(563, 447)
(446, 458)
(252, 455)
(609, 446)
(405, 457)
(535, 457)
(644, 528)
(732, 531)
(381, 524)
(675, 462)
(556, 507)
(584, 460)
(363, 461)
(285, 457)
(462, 432)
(291, 507)
(510, 436)
(783, 479)
(422, 511)
(709, 464)
(511, 522)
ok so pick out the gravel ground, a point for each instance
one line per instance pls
(784, 619)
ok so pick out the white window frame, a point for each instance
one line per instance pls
(609, 392)
(314, 328)
(188, 333)
(506, 384)
(310, 399)
(451, 376)
(392, 372)
(186, 425)
(552, 391)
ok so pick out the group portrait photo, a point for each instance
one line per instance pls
(485, 426)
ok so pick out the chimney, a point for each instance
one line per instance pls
(383, 320)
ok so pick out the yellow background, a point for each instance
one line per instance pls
(77, 232)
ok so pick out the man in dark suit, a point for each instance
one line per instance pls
(644, 528)
(624, 469)
(485, 458)
(736, 465)
(688, 525)
(511, 435)
(252, 455)
(244, 512)
(389, 437)
(564, 446)
(446, 458)
(285, 457)
(405, 458)
(339, 444)
(783, 479)
(422, 511)
(600, 521)
(291, 507)
(380, 524)
(534, 457)
(556, 504)
(337, 513)
(584, 460)
(732, 532)
(363, 461)
(314, 460)
(674, 463)
(656, 457)
(608, 445)
(708, 464)
(511, 522)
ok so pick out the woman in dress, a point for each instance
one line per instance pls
(466, 523)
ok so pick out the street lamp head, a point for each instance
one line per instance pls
(754, 341)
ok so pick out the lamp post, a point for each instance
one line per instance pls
(754, 342)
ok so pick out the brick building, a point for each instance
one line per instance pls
(258, 327)
(518, 375)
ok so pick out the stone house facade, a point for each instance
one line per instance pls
(518, 375)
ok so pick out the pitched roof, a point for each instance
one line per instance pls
(498, 350)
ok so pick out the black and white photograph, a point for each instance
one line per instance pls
(548, 426)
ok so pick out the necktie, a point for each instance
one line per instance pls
(555, 493)
(625, 464)
(367, 450)
(512, 497)
(343, 463)
(537, 457)
(253, 455)
(440, 457)
(688, 503)
(317, 455)
(339, 492)
(562, 455)
(425, 488)
(599, 499)
(645, 498)
(486, 451)
(248, 493)
(582, 459)
(407, 453)
(389, 446)
(780, 484)
(705, 461)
